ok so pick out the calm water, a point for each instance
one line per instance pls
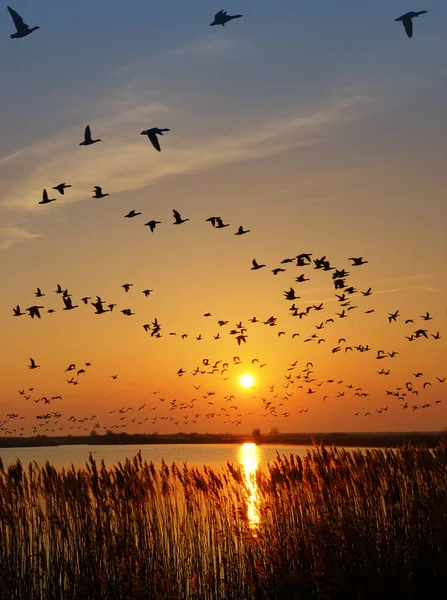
(197, 455)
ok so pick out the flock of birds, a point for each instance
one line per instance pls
(279, 400)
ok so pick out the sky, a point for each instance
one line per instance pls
(319, 127)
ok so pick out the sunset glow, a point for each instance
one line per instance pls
(246, 381)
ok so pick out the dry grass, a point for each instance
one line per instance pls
(333, 525)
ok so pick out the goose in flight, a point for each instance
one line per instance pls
(22, 28)
(61, 187)
(39, 293)
(152, 224)
(222, 17)
(33, 311)
(407, 21)
(88, 141)
(17, 312)
(68, 303)
(131, 214)
(147, 292)
(98, 192)
(256, 266)
(45, 199)
(127, 286)
(241, 231)
(32, 364)
(152, 135)
(356, 262)
(178, 218)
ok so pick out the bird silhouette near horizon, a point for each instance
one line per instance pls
(98, 193)
(61, 187)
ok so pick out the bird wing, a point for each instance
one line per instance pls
(18, 21)
(32, 362)
(408, 25)
(88, 134)
(177, 216)
(44, 195)
(154, 140)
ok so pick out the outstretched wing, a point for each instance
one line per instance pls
(18, 21)
(408, 24)
(154, 140)
(88, 134)
(177, 216)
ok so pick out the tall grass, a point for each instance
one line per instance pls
(332, 525)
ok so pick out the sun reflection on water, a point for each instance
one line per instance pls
(249, 458)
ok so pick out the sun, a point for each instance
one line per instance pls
(246, 381)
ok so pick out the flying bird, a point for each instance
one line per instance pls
(407, 20)
(241, 231)
(61, 187)
(45, 199)
(152, 224)
(88, 141)
(131, 214)
(22, 28)
(178, 218)
(256, 266)
(222, 17)
(32, 364)
(98, 192)
(152, 135)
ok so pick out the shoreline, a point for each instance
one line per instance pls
(378, 440)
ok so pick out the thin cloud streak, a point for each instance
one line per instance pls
(128, 166)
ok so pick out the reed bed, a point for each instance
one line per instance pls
(333, 525)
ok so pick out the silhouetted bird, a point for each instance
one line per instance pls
(45, 199)
(32, 364)
(127, 286)
(178, 218)
(152, 224)
(88, 141)
(98, 192)
(256, 266)
(152, 135)
(131, 214)
(241, 231)
(356, 262)
(68, 303)
(22, 28)
(407, 21)
(61, 187)
(221, 17)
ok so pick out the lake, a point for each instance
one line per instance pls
(195, 455)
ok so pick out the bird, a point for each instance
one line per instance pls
(407, 21)
(61, 187)
(88, 141)
(32, 364)
(241, 231)
(17, 312)
(45, 199)
(39, 293)
(256, 266)
(278, 270)
(33, 311)
(356, 262)
(147, 292)
(127, 286)
(68, 303)
(221, 17)
(152, 224)
(22, 28)
(152, 135)
(220, 224)
(178, 218)
(98, 193)
(131, 214)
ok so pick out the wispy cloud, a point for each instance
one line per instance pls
(14, 235)
(123, 164)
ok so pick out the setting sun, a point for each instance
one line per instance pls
(246, 381)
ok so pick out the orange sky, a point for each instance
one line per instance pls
(324, 165)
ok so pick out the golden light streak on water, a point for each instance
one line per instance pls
(249, 457)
